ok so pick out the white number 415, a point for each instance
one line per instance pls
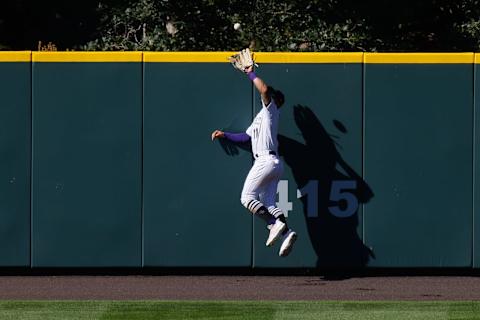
(340, 190)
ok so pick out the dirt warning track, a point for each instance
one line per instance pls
(238, 288)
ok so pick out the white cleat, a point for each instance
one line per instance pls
(287, 244)
(275, 232)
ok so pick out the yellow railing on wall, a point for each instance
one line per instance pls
(222, 57)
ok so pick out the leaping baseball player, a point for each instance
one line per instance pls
(260, 187)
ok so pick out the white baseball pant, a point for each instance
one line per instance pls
(261, 184)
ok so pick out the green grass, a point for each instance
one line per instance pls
(238, 310)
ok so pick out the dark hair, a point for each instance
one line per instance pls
(279, 96)
(276, 95)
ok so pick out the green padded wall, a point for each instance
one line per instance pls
(15, 150)
(87, 137)
(320, 140)
(123, 172)
(418, 161)
(192, 210)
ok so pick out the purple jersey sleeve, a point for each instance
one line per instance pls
(237, 137)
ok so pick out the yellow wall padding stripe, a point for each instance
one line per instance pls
(440, 58)
(78, 56)
(187, 56)
(260, 57)
(15, 56)
(309, 57)
(477, 57)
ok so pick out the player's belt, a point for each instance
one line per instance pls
(265, 153)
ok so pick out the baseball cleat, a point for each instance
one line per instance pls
(275, 232)
(287, 243)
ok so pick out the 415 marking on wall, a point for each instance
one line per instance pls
(340, 190)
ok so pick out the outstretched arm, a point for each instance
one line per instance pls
(260, 85)
(234, 137)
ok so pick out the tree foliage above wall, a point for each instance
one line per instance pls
(266, 25)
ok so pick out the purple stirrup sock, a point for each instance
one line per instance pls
(237, 137)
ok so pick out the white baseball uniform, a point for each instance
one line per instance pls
(262, 180)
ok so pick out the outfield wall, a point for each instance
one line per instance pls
(106, 160)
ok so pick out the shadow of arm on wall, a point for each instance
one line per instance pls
(316, 163)
(321, 145)
(233, 148)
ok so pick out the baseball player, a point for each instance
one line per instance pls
(260, 187)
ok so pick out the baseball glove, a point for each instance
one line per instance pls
(242, 60)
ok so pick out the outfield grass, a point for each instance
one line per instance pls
(236, 310)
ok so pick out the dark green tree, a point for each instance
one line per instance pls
(205, 25)
(23, 23)
(266, 25)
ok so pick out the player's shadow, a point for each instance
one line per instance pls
(334, 239)
(231, 148)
